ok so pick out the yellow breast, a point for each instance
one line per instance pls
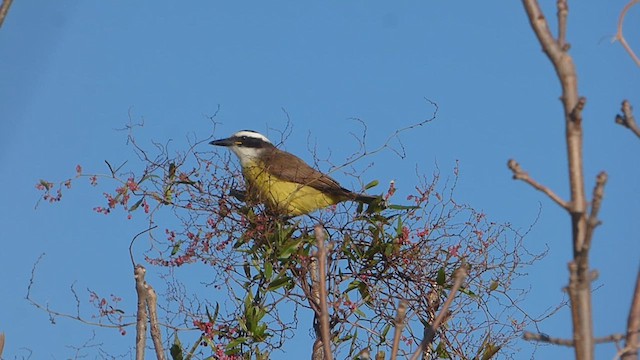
(285, 197)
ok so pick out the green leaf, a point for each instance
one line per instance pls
(383, 335)
(147, 177)
(372, 184)
(212, 319)
(136, 205)
(441, 277)
(441, 351)
(363, 289)
(399, 227)
(234, 343)
(278, 283)
(176, 348)
(468, 292)
(494, 285)
(403, 207)
(268, 270)
(288, 249)
(176, 248)
(354, 285)
(490, 350)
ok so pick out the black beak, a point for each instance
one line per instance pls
(223, 142)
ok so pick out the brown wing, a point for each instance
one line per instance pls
(293, 169)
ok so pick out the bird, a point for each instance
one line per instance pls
(282, 181)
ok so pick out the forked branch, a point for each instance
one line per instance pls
(147, 311)
(620, 36)
(627, 119)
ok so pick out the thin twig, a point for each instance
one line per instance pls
(133, 262)
(519, 174)
(430, 331)
(620, 36)
(324, 309)
(4, 10)
(399, 325)
(627, 119)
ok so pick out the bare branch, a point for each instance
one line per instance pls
(324, 310)
(596, 202)
(627, 119)
(430, 331)
(141, 321)
(563, 11)
(519, 174)
(539, 337)
(4, 10)
(156, 335)
(399, 325)
(529, 336)
(632, 339)
(573, 104)
(620, 36)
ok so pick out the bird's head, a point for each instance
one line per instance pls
(246, 144)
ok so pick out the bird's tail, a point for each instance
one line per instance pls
(364, 198)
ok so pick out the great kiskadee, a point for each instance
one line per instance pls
(282, 181)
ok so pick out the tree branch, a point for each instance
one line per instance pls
(399, 325)
(620, 36)
(580, 274)
(4, 10)
(430, 331)
(324, 309)
(141, 320)
(519, 174)
(596, 202)
(627, 119)
(632, 339)
(563, 11)
(539, 337)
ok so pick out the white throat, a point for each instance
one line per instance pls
(246, 155)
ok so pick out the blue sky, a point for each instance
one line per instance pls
(73, 71)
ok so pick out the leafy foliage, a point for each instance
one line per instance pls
(261, 266)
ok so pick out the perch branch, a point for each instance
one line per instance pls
(519, 174)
